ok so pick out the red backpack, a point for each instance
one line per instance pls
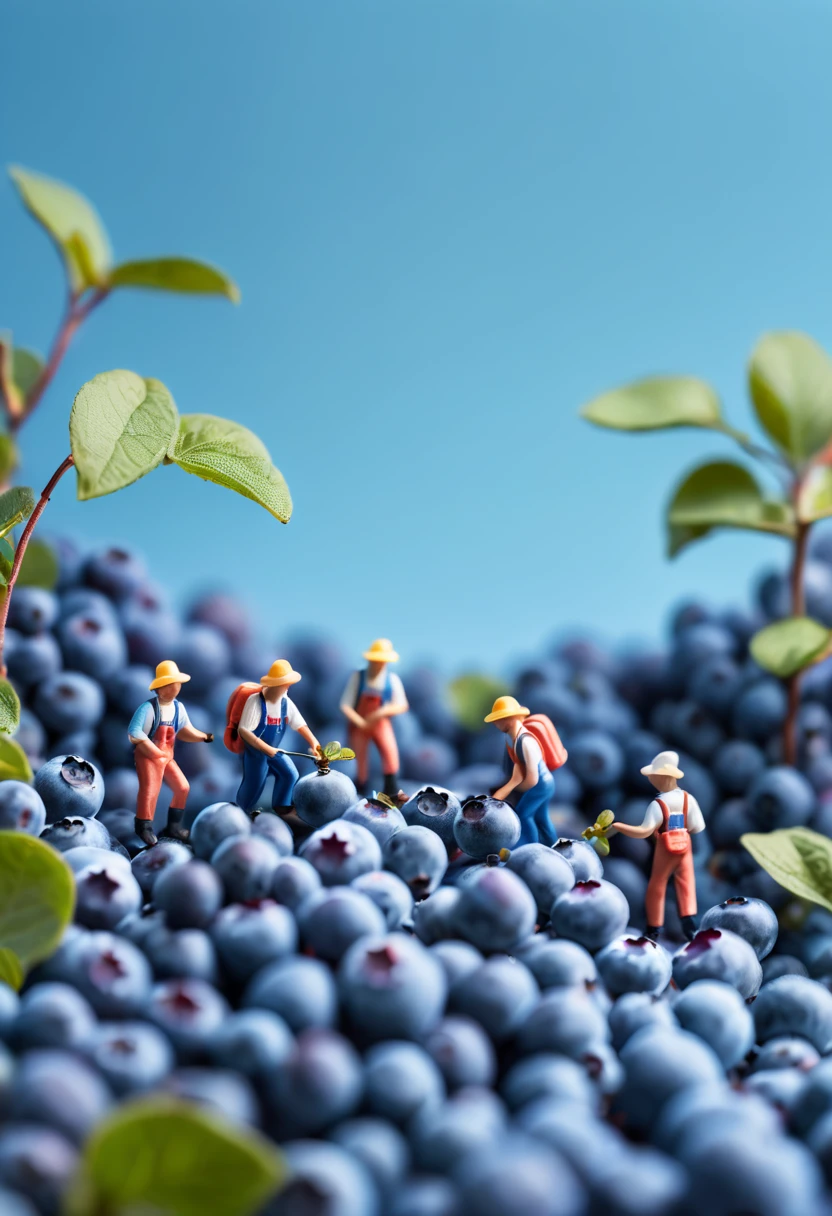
(542, 730)
(233, 711)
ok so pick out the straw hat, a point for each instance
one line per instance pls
(666, 764)
(280, 672)
(168, 673)
(381, 651)
(507, 707)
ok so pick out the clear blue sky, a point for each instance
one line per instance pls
(453, 221)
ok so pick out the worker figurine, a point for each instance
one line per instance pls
(264, 719)
(530, 775)
(673, 818)
(371, 698)
(153, 730)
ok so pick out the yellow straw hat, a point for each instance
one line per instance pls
(168, 673)
(280, 672)
(381, 651)
(507, 707)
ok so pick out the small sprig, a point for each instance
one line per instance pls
(597, 834)
(330, 752)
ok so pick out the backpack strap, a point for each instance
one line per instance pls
(157, 715)
(362, 681)
(665, 814)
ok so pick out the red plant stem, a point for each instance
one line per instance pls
(801, 541)
(21, 549)
(798, 608)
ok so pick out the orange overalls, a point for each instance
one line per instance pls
(153, 772)
(676, 861)
(382, 733)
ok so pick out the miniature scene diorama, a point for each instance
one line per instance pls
(558, 944)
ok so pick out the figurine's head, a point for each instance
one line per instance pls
(169, 681)
(380, 653)
(280, 675)
(663, 771)
(506, 712)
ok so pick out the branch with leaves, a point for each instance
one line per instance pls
(790, 385)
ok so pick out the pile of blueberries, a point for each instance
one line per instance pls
(428, 1020)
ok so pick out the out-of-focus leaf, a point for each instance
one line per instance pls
(331, 749)
(27, 366)
(798, 858)
(37, 896)
(786, 647)
(722, 494)
(14, 763)
(39, 567)
(790, 380)
(70, 220)
(605, 819)
(9, 708)
(656, 403)
(815, 498)
(11, 972)
(230, 455)
(472, 696)
(16, 505)
(176, 274)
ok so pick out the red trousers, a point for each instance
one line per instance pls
(382, 734)
(153, 772)
(665, 865)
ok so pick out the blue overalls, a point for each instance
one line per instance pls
(257, 765)
(533, 808)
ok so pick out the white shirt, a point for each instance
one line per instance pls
(674, 800)
(374, 685)
(531, 752)
(250, 717)
(142, 721)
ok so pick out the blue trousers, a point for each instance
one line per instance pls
(533, 812)
(256, 768)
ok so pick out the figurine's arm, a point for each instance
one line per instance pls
(348, 703)
(137, 733)
(189, 734)
(306, 734)
(652, 820)
(252, 740)
(514, 780)
(397, 704)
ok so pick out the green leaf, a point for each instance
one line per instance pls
(16, 504)
(9, 708)
(655, 404)
(332, 749)
(346, 753)
(120, 428)
(815, 498)
(70, 220)
(27, 366)
(798, 858)
(788, 646)
(11, 971)
(605, 819)
(164, 1155)
(601, 845)
(8, 457)
(39, 567)
(37, 896)
(790, 381)
(232, 456)
(176, 274)
(472, 696)
(722, 494)
(14, 763)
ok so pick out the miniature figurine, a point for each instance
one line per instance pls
(266, 715)
(371, 698)
(534, 749)
(673, 818)
(153, 730)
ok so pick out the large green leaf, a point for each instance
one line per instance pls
(176, 274)
(788, 646)
(230, 455)
(27, 366)
(14, 763)
(798, 858)
(16, 505)
(9, 708)
(39, 567)
(164, 1156)
(815, 497)
(37, 896)
(790, 380)
(722, 494)
(655, 404)
(11, 971)
(8, 457)
(71, 221)
(472, 697)
(120, 428)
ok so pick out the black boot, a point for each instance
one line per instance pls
(391, 786)
(689, 927)
(174, 830)
(653, 932)
(144, 831)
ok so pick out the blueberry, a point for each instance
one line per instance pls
(21, 808)
(592, 913)
(794, 1005)
(59, 1089)
(705, 1111)
(149, 632)
(695, 730)
(190, 1012)
(458, 959)
(294, 879)
(780, 798)
(484, 825)
(319, 798)
(110, 972)
(104, 895)
(495, 911)
(69, 785)
(275, 830)
(425, 1195)
(32, 661)
(786, 1052)
(440, 1135)
(463, 1051)
(389, 893)
(225, 613)
(380, 1147)
(248, 936)
(95, 647)
(391, 987)
(659, 1063)
(32, 610)
(131, 1056)
(499, 993)
(433, 807)
(719, 954)
(14, 1204)
(434, 918)
(545, 871)
(319, 1083)
(152, 863)
(180, 953)
(557, 962)
(737, 1173)
(245, 865)
(752, 919)
(564, 1020)
(190, 895)
(9, 1006)
(37, 1162)
(205, 654)
(715, 684)
(776, 965)
(582, 857)
(76, 832)
(401, 1079)
(325, 1178)
(759, 710)
(633, 964)
(252, 1041)
(30, 735)
(526, 1176)
(69, 701)
(596, 759)
(419, 858)
(127, 687)
(52, 1015)
(635, 1010)
(697, 643)
(341, 851)
(383, 821)
(715, 1012)
(301, 990)
(216, 823)
(115, 572)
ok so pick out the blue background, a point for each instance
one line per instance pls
(453, 222)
